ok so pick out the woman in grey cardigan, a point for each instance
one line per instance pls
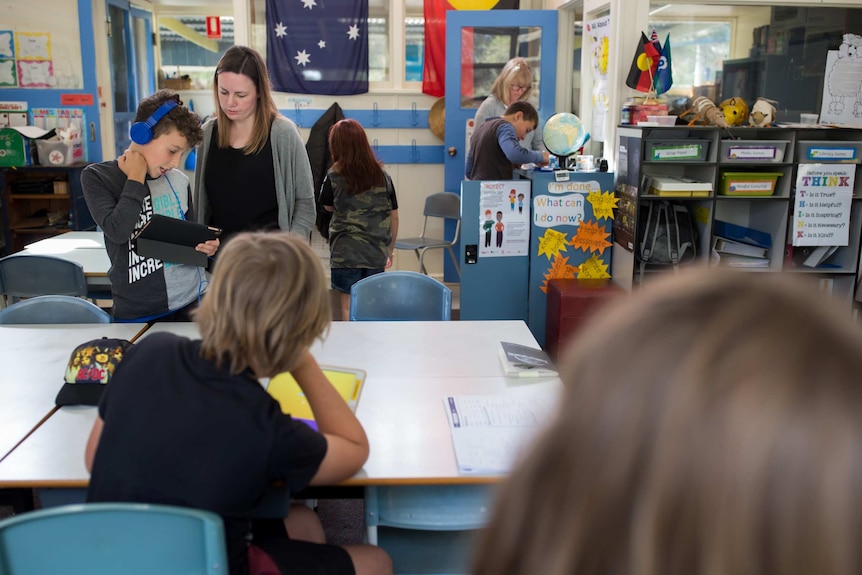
(514, 84)
(252, 170)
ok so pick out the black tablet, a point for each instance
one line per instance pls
(174, 240)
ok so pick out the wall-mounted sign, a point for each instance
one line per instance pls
(76, 99)
(214, 27)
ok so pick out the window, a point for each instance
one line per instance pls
(697, 50)
(187, 52)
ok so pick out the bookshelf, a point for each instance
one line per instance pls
(40, 202)
(753, 173)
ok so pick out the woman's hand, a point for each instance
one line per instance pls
(209, 247)
(388, 261)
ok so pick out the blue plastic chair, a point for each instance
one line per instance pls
(53, 309)
(34, 275)
(111, 538)
(445, 205)
(400, 296)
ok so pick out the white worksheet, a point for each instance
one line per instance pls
(489, 431)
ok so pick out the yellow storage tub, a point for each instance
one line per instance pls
(748, 183)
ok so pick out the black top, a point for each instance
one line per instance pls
(241, 189)
(180, 431)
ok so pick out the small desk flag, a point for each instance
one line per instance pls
(644, 66)
(318, 46)
(664, 73)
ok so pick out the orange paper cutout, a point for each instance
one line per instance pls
(560, 269)
(591, 237)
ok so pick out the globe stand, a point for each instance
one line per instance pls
(561, 162)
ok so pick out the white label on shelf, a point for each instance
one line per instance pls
(751, 153)
(751, 186)
(676, 152)
(831, 153)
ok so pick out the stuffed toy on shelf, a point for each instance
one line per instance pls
(762, 113)
(705, 112)
(735, 111)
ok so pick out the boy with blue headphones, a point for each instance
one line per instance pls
(123, 195)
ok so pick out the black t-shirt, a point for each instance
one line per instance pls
(241, 189)
(180, 431)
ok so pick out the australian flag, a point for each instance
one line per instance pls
(318, 46)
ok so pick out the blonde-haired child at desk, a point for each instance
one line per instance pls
(186, 422)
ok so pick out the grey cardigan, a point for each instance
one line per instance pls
(294, 185)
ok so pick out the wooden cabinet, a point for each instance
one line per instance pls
(753, 175)
(42, 201)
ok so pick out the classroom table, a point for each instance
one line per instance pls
(35, 364)
(410, 348)
(411, 367)
(85, 248)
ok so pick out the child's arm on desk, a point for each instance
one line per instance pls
(347, 444)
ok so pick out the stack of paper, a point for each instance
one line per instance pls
(676, 186)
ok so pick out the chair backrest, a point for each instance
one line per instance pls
(111, 538)
(443, 205)
(53, 309)
(33, 275)
(400, 296)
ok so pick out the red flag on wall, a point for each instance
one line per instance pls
(434, 69)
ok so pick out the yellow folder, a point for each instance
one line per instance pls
(283, 387)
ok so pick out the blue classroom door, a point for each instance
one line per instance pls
(133, 77)
(478, 45)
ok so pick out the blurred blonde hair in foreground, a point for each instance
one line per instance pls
(711, 424)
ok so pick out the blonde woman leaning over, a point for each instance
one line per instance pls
(514, 84)
(711, 425)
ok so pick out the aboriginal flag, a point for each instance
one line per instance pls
(644, 66)
(434, 68)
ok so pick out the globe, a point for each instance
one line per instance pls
(564, 134)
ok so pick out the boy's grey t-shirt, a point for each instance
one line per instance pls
(141, 286)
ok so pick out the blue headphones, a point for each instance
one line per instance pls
(142, 132)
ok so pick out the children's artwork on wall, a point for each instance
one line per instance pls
(8, 74)
(7, 44)
(42, 40)
(33, 45)
(842, 85)
(35, 74)
(597, 31)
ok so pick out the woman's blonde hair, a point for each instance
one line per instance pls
(266, 304)
(516, 71)
(248, 62)
(710, 425)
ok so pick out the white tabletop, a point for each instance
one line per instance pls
(69, 241)
(404, 419)
(85, 248)
(411, 367)
(35, 359)
(408, 349)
